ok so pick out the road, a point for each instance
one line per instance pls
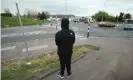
(44, 32)
(40, 38)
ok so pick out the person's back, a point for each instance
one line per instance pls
(64, 40)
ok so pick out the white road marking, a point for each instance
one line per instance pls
(8, 48)
(35, 32)
(26, 33)
(11, 35)
(75, 29)
(37, 39)
(82, 38)
(97, 37)
(77, 36)
(50, 38)
(35, 48)
(52, 32)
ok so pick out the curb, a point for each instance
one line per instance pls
(53, 71)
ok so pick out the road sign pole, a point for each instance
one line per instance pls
(18, 13)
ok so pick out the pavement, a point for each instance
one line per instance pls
(114, 61)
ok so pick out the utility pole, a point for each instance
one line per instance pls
(66, 6)
(18, 13)
(103, 10)
(66, 10)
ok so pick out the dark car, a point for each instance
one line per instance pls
(76, 20)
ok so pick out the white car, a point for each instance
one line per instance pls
(128, 25)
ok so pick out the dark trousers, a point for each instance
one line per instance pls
(65, 61)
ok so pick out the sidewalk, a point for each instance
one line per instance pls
(114, 61)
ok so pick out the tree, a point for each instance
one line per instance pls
(6, 13)
(127, 16)
(47, 14)
(39, 16)
(31, 13)
(101, 15)
(116, 18)
(121, 17)
(43, 16)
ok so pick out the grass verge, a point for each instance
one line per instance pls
(14, 21)
(30, 69)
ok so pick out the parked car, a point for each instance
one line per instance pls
(91, 21)
(128, 24)
(86, 21)
(76, 20)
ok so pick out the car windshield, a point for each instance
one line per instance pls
(129, 22)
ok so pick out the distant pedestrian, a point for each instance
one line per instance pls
(64, 40)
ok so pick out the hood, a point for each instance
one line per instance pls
(65, 23)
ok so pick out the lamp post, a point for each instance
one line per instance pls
(66, 6)
(18, 13)
(103, 8)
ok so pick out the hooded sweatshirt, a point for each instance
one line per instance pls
(65, 39)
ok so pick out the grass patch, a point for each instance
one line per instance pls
(26, 71)
(14, 21)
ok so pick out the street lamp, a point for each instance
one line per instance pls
(66, 6)
(103, 8)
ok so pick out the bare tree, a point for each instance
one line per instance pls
(31, 13)
(47, 14)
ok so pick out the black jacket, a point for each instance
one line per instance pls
(65, 39)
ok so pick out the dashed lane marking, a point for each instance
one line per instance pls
(8, 48)
(26, 33)
(35, 48)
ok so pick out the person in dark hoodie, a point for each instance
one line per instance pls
(64, 40)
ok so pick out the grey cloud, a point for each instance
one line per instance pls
(78, 7)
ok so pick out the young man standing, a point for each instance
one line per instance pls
(64, 40)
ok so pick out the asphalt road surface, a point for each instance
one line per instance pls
(44, 32)
(42, 37)
(103, 32)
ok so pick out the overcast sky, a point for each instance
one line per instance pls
(76, 7)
